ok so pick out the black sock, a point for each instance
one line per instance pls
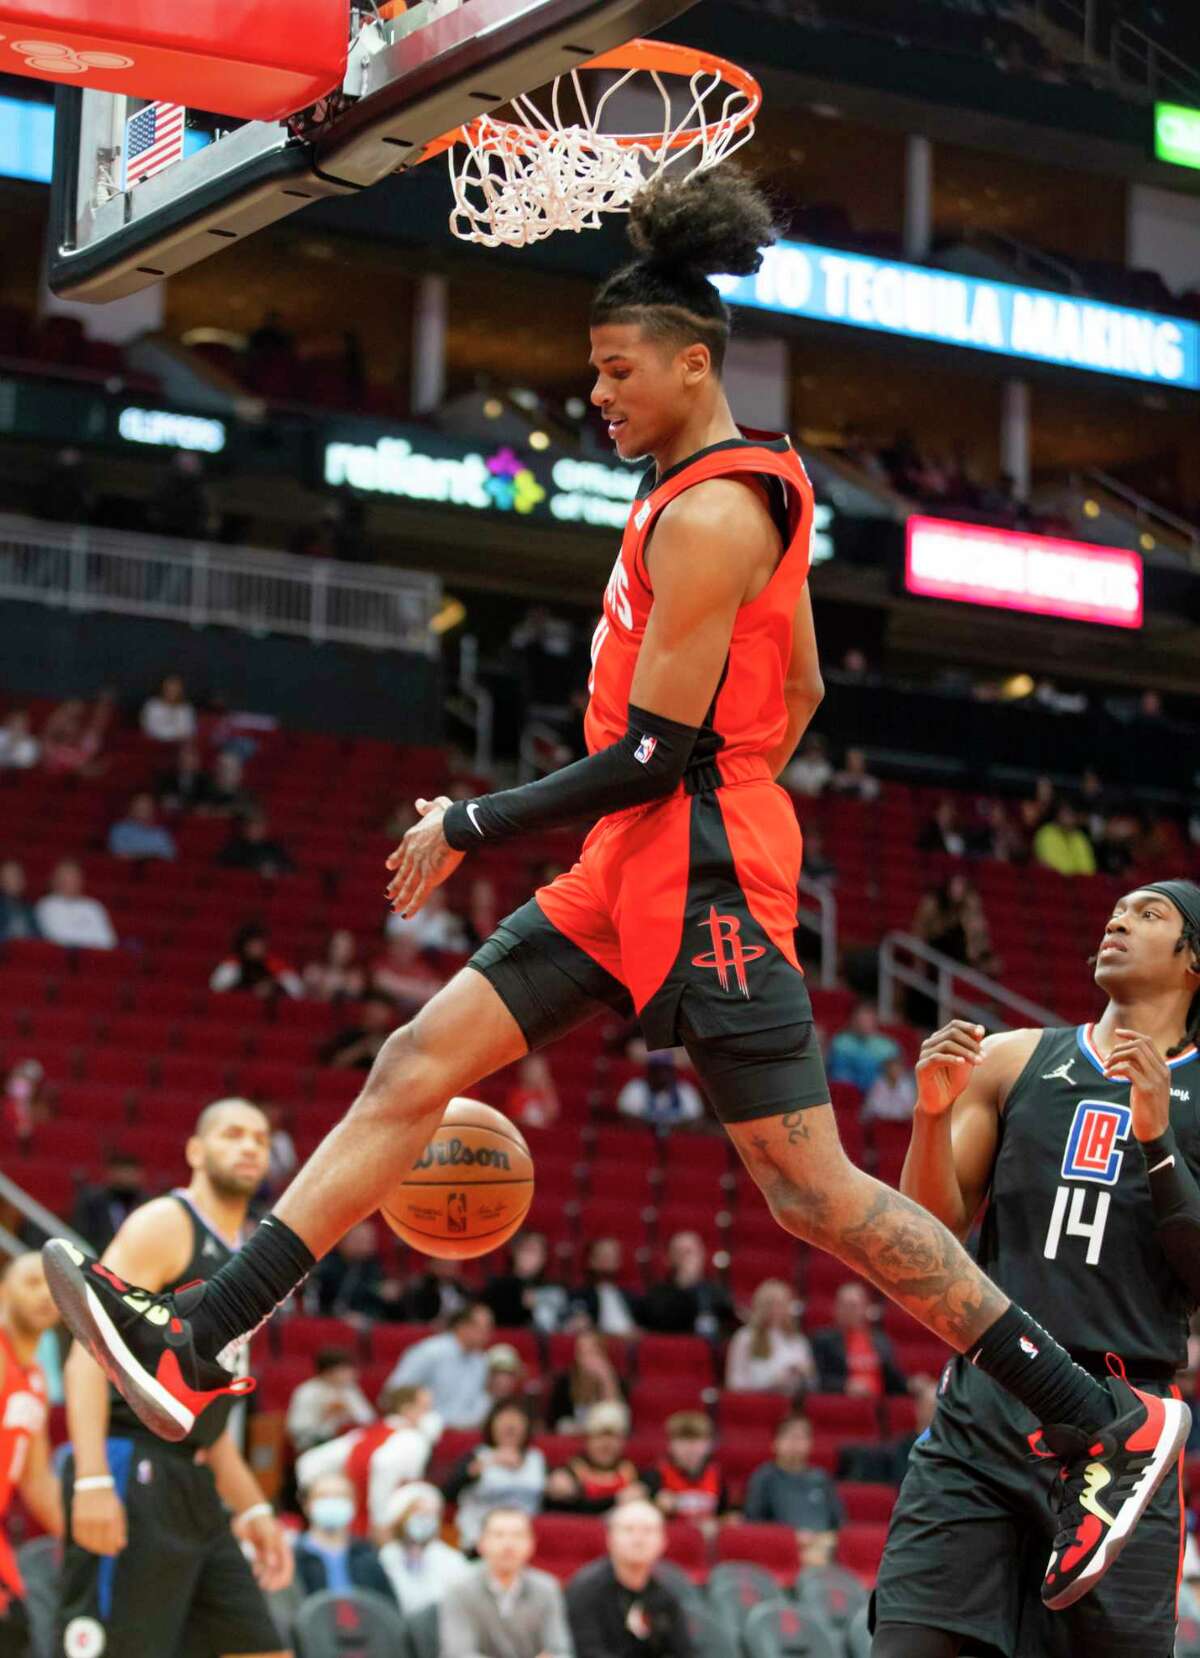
(1016, 1352)
(248, 1289)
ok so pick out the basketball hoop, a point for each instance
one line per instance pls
(519, 180)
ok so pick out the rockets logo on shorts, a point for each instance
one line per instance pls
(645, 749)
(1093, 1149)
(84, 1638)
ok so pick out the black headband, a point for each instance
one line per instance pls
(1185, 895)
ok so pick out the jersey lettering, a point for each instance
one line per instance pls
(616, 594)
(1076, 1225)
(598, 638)
(1093, 1143)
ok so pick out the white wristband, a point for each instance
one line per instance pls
(96, 1482)
(255, 1512)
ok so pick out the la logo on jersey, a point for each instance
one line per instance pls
(1093, 1149)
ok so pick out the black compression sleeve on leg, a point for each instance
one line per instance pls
(647, 764)
(910, 1640)
(1176, 1199)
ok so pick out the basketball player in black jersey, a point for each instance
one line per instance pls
(1085, 1143)
(155, 1566)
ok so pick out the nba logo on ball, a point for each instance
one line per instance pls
(456, 1212)
(84, 1638)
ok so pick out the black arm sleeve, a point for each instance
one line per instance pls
(647, 764)
(1176, 1199)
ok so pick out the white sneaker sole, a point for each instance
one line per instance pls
(1176, 1427)
(88, 1322)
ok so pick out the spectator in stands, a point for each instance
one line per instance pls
(228, 797)
(1040, 807)
(379, 1457)
(67, 916)
(139, 834)
(283, 1160)
(169, 717)
(532, 1100)
(591, 1380)
(1063, 845)
(327, 1556)
(405, 975)
(73, 737)
(770, 1354)
(618, 1608)
(253, 966)
(1116, 844)
(600, 1300)
(504, 1609)
(100, 1211)
(996, 836)
(181, 506)
(892, 1097)
(951, 918)
(337, 977)
(18, 918)
(592, 1480)
(505, 1470)
(687, 1483)
(185, 786)
(250, 847)
(787, 1492)
(943, 833)
(350, 1281)
(505, 1374)
(854, 779)
(886, 1463)
(661, 1097)
(420, 1565)
(809, 772)
(329, 1403)
(859, 1051)
(525, 1295)
(453, 1366)
(19, 748)
(24, 1104)
(853, 1355)
(1095, 802)
(687, 1301)
(355, 1046)
(818, 866)
(436, 1294)
(435, 926)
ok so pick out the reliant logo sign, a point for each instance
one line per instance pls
(895, 298)
(1035, 573)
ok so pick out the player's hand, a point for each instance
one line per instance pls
(1136, 1060)
(423, 860)
(98, 1521)
(274, 1562)
(948, 1059)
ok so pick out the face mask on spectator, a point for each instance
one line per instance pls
(420, 1528)
(332, 1513)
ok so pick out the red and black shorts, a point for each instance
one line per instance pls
(683, 913)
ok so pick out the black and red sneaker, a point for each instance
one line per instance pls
(142, 1342)
(1107, 1481)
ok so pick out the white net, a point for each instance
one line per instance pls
(519, 180)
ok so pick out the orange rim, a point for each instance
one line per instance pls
(656, 56)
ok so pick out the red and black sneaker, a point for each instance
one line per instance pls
(1108, 1479)
(142, 1342)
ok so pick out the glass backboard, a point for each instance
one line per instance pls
(411, 77)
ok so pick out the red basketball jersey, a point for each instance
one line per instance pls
(23, 1413)
(749, 712)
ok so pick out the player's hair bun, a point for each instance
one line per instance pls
(714, 222)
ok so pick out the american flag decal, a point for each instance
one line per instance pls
(153, 140)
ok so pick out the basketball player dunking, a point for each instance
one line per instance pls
(154, 1564)
(683, 900)
(27, 1311)
(1086, 1144)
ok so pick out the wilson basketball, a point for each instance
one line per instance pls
(469, 1190)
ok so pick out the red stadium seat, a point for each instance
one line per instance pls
(757, 1413)
(867, 1503)
(565, 1542)
(860, 1547)
(303, 1336)
(389, 1341)
(686, 1548)
(843, 1415)
(771, 1547)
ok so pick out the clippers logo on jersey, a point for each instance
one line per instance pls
(1093, 1145)
(645, 749)
(728, 952)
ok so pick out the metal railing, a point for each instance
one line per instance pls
(821, 920)
(1146, 514)
(1149, 65)
(77, 568)
(36, 1214)
(901, 956)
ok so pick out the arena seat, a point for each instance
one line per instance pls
(860, 1548)
(771, 1548)
(779, 1630)
(304, 1336)
(867, 1502)
(833, 1593)
(687, 1549)
(843, 1414)
(353, 1623)
(565, 1542)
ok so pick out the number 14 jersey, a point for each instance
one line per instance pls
(1069, 1231)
